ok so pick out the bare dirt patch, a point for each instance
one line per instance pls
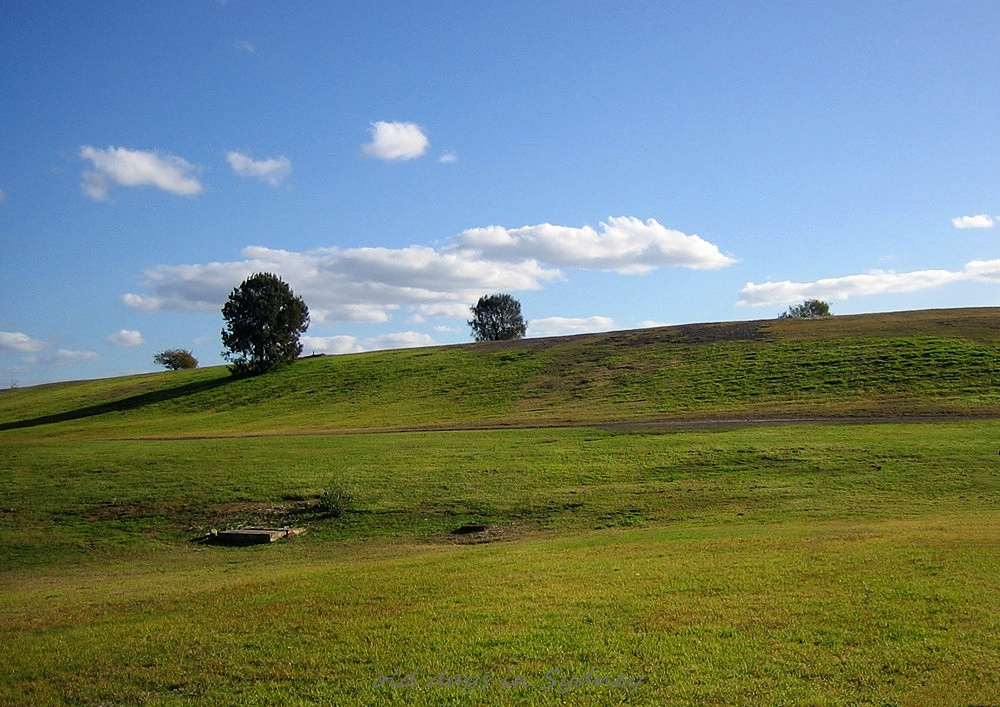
(259, 513)
(477, 534)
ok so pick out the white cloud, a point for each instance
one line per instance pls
(126, 338)
(329, 345)
(16, 341)
(448, 157)
(458, 310)
(557, 326)
(350, 344)
(877, 282)
(246, 47)
(651, 324)
(982, 271)
(399, 340)
(64, 357)
(369, 284)
(132, 168)
(625, 245)
(396, 141)
(272, 170)
(357, 284)
(980, 221)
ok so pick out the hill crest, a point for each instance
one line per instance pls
(926, 362)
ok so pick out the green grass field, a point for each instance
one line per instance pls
(845, 553)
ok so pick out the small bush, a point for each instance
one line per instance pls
(335, 501)
(176, 359)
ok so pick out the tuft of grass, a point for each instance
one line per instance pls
(335, 501)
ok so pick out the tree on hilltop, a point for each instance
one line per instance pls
(175, 359)
(497, 318)
(810, 309)
(264, 319)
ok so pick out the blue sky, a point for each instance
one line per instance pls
(611, 165)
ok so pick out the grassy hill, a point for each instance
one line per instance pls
(931, 363)
(626, 554)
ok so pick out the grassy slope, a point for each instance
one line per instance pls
(944, 362)
(849, 564)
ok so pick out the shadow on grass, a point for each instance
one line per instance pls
(133, 402)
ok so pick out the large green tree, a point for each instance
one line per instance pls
(264, 319)
(497, 318)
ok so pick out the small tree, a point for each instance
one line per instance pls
(264, 319)
(497, 318)
(810, 309)
(175, 359)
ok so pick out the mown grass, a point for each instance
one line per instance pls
(788, 565)
(838, 612)
(801, 564)
(67, 500)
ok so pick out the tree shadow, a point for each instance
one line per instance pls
(133, 402)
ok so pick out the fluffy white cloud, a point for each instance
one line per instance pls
(448, 158)
(368, 284)
(356, 284)
(329, 345)
(272, 170)
(398, 340)
(126, 338)
(980, 221)
(558, 326)
(65, 357)
(133, 168)
(876, 282)
(396, 141)
(16, 341)
(625, 245)
(350, 344)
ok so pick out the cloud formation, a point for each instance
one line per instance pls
(980, 221)
(396, 141)
(66, 357)
(368, 284)
(355, 284)
(351, 344)
(624, 245)
(126, 338)
(877, 282)
(272, 170)
(16, 341)
(558, 326)
(133, 168)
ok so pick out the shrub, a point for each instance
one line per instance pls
(335, 500)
